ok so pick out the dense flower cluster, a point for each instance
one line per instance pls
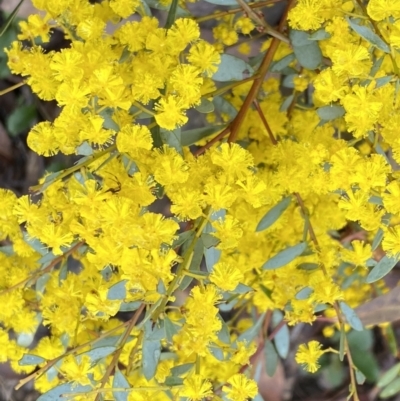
(123, 99)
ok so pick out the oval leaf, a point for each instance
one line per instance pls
(120, 382)
(369, 36)
(99, 353)
(390, 375)
(309, 56)
(284, 257)
(383, 267)
(271, 358)
(58, 392)
(392, 389)
(117, 291)
(29, 359)
(232, 69)
(352, 319)
(328, 113)
(151, 352)
(304, 293)
(273, 214)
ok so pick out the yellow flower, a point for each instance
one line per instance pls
(308, 355)
(241, 388)
(196, 388)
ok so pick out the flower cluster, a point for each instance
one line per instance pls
(254, 225)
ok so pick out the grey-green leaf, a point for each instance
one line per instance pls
(352, 319)
(369, 35)
(172, 139)
(279, 65)
(284, 257)
(170, 328)
(120, 382)
(29, 359)
(117, 291)
(304, 293)
(151, 351)
(273, 214)
(58, 392)
(388, 376)
(309, 56)
(282, 337)
(391, 389)
(251, 333)
(381, 269)
(206, 106)
(99, 353)
(271, 358)
(192, 136)
(232, 68)
(328, 113)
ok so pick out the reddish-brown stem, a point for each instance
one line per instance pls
(265, 122)
(208, 145)
(255, 88)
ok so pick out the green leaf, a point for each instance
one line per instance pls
(288, 81)
(377, 239)
(224, 107)
(217, 352)
(307, 51)
(172, 381)
(352, 319)
(21, 119)
(367, 34)
(58, 392)
(10, 18)
(223, 334)
(284, 257)
(192, 136)
(279, 65)
(120, 381)
(273, 214)
(309, 56)
(98, 353)
(172, 139)
(29, 359)
(181, 369)
(250, 334)
(381, 81)
(282, 337)
(209, 240)
(271, 358)
(391, 389)
(182, 238)
(151, 351)
(328, 113)
(360, 378)
(304, 293)
(299, 38)
(381, 269)
(171, 14)
(388, 376)
(170, 328)
(286, 103)
(242, 289)
(321, 34)
(206, 106)
(308, 266)
(117, 291)
(84, 149)
(129, 306)
(197, 256)
(232, 68)
(211, 256)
